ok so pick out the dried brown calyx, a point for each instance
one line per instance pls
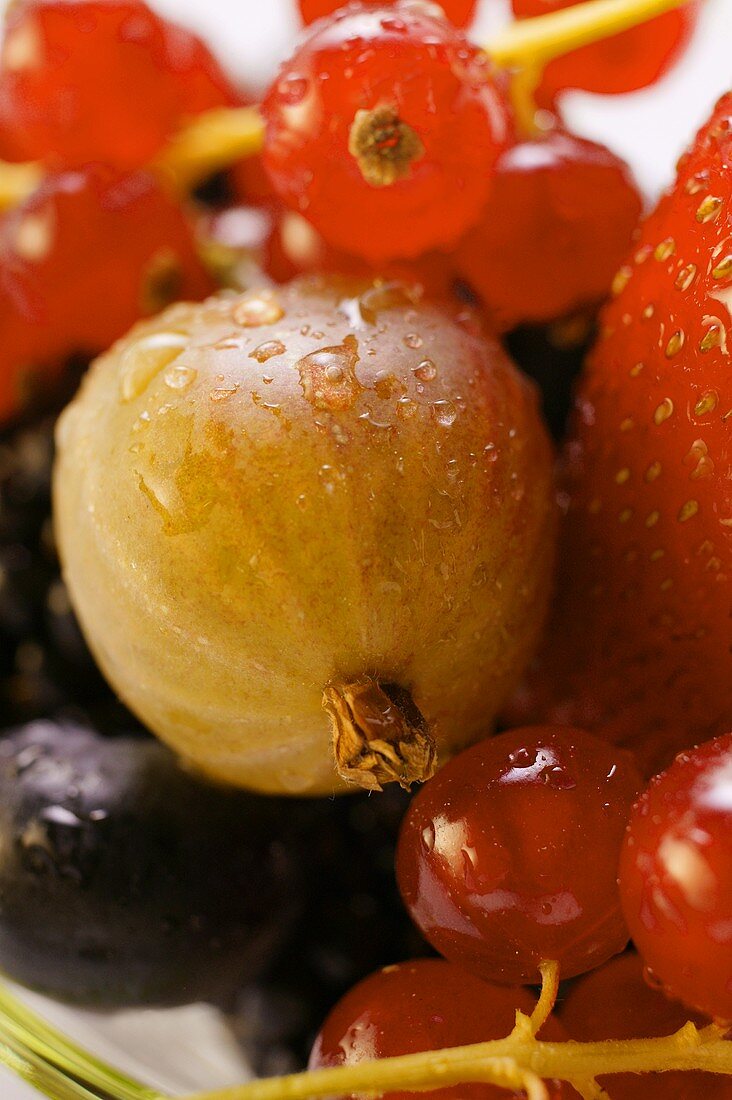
(384, 146)
(379, 735)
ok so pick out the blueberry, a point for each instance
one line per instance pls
(125, 880)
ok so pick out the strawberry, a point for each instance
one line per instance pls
(639, 645)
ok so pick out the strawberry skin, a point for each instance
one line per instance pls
(639, 648)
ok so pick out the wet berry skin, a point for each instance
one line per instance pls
(676, 878)
(424, 1005)
(83, 258)
(459, 12)
(616, 1002)
(558, 221)
(383, 128)
(123, 880)
(85, 81)
(509, 855)
(621, 63)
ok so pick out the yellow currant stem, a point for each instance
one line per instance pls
(548, 998)
(538, 40)
(497, 1062)
(17, 181)
(211, 142)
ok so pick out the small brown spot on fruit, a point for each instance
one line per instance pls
(622, 476)
(653, 471)
(383, 145)
(652, 518)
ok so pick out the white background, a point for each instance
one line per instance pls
(650, 129)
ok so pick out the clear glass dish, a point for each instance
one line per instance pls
(142, 1054)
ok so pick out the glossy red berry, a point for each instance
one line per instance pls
(99, 80)
(459, 12)
(509, 855)
(615, 1002)
(558, 221)
(82, 259)
(676, 877)
(623, 62)
(424, 1005)
(383, 130)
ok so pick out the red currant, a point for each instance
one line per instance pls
(558, 222)
(459, 12)
(99, 80)
(509, 855)
(615, 1002)
(383, 130)
(423, 1005)
(622, 63)
(676, 877)
(82, 259)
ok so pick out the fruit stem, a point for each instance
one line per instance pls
(549, 971)
(533, 42)
(213, 141)
(495, 1062)
(379, 734)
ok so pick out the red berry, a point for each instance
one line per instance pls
(621, 63)
(676, 877)
(82, 259)
(424, 1005)
(638, 646)
(509, 855)
(558, 221)
(383, 129)
(615, 1002)
(99, 80)
(459, 12)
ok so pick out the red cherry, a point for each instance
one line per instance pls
(459, 12)
(424, 1005)
(82, 259)
(99, 80)
(557, 224)
(509, 855)
(676, 877)
(383, 129)
(615, 1002)
(622, 63)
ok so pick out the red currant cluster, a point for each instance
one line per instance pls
(508, 857)
(91, 92)
(390, 132)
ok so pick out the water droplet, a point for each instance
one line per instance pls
(429, 836)
(406, 408)
(292, 89)
(383, 296)
(413, 340)
(143, 360)
(223, 393)
(444, 413)
(426, 371)
(180, 377)
(267, 350)
(258, 307)
(328, 377)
